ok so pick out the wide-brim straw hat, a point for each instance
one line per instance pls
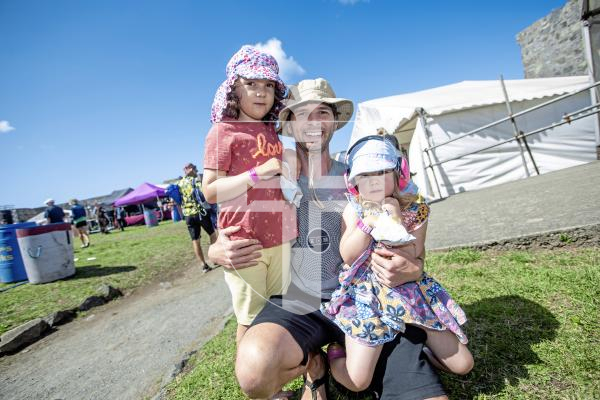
(315, 91)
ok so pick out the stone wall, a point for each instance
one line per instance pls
(553, 45)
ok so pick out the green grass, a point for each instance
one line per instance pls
(533, 328)
(125, 260)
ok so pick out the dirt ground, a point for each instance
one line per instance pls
(124, 349)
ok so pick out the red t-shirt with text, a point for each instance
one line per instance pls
(262, 213)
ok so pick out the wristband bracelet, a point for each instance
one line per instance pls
(363, 227)
(253, 175)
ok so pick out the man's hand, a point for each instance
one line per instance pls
(396, 266)
(234, 254)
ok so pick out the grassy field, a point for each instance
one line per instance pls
(125, 260)
(534, 328)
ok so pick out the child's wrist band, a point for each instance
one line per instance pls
(253, 175)
(363, 227)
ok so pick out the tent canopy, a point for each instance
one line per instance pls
(397, 113)
(141, 194)
(432, 126)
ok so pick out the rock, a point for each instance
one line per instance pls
(59, 317)
(108, 292)
(90, 302)
(23, 335)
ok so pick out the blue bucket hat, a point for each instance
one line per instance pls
(371, 154)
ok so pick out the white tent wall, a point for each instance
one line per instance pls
(453, 110)
(561, 147)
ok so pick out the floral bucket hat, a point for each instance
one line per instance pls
(249, 63)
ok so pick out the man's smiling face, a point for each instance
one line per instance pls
(313, 125)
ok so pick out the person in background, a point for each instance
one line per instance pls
(102, 219)
(79, 222)
(120, 218)
(53, 214)
(195, 215)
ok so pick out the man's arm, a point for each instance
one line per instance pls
(234, 254)
(398, 265)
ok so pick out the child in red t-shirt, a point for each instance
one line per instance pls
(242, 158)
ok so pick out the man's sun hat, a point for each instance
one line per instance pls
(371, 155)
(249, 63)
(315, 91)
(48, 201)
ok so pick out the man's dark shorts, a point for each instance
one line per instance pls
(194, 223)
(402, 371)
(80, 224)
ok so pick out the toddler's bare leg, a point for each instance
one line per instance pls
(355, 371)
(452, 354)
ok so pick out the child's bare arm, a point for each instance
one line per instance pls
(218, 187)
(354, 241)
(291, 159)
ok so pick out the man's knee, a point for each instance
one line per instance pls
(255, 367)
(267, 354)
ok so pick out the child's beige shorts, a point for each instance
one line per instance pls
(251, 287)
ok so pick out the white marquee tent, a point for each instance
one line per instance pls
(424, 120)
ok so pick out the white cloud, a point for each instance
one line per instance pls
(5, 127)
(288, 67)
(351, 2)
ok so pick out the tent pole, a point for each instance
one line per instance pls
(421, 113)
(518, 134)
(162, 216)
(587, 44)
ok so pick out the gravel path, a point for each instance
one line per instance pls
(124, 349)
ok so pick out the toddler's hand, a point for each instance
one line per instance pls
(391, 206)
(269, 169)
(370, 219)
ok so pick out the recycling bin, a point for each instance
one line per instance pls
(11, 262)
(47, 252)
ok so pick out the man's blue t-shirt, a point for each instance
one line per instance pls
(55, 214)
(77, 211)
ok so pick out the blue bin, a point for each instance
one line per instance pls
(12, 268)
(150, 218)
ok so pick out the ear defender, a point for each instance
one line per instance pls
(351, 188)
(403, 173)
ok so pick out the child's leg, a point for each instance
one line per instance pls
(278, 270)
(248, 293)
(355, 371)
(452, 354)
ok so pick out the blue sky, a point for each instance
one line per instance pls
(103, 95)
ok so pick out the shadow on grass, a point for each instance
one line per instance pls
(92, 271)
(501, 331)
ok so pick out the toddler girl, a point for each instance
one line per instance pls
(242, 157)
(369, 313)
